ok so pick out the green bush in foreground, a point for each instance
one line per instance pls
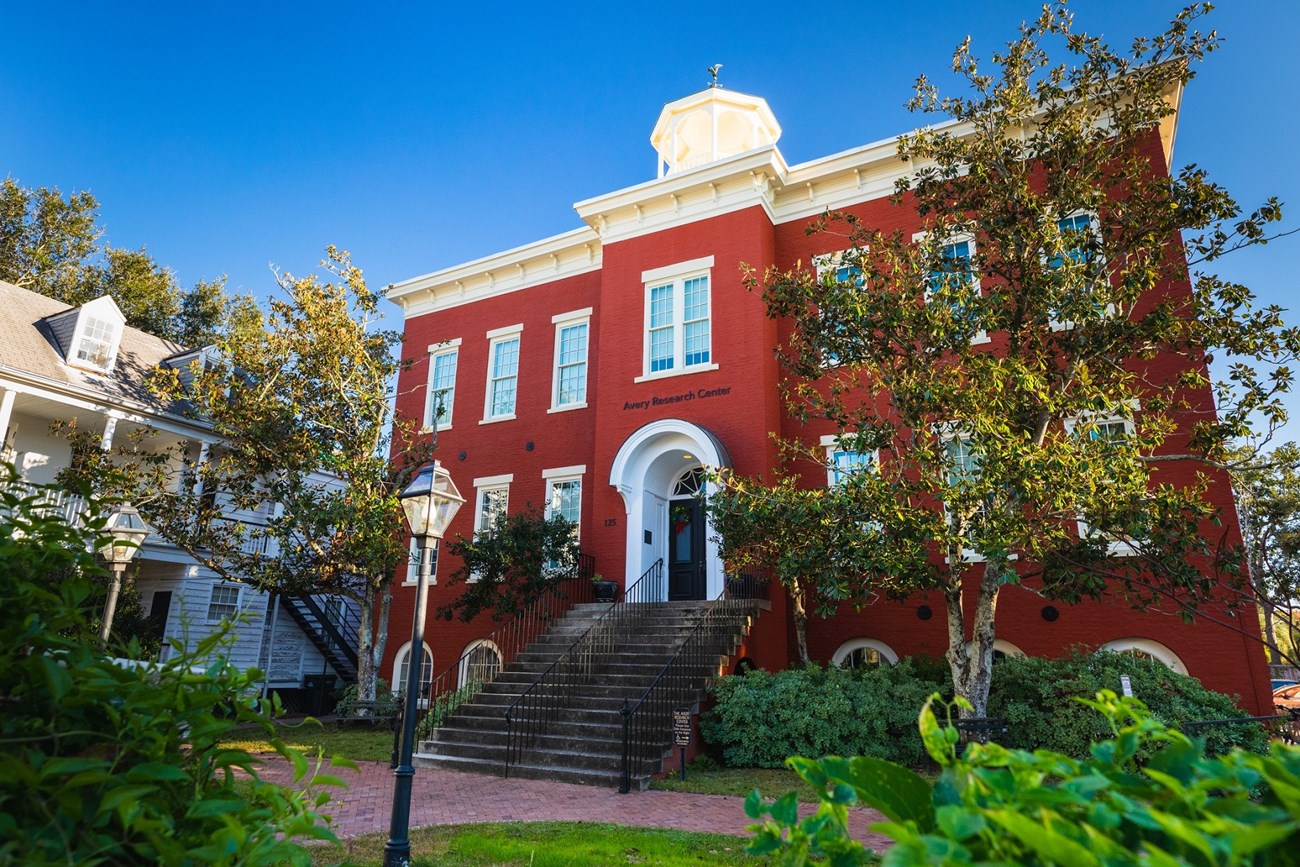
(761, 718)
(992, 805)
(105, 762)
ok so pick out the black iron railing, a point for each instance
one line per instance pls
(335, 628)
(533, 712)
(467, 676)
(646, 722)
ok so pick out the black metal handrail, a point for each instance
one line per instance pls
(460, 681)
(343, 633)
(697, 660)
(532, 713)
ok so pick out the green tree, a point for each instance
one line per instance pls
(1268, 498)
(511, 564)
(52, 245)
(109, 763)
(1026, 371)
(298, 497)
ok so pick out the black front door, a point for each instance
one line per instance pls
(686, 574)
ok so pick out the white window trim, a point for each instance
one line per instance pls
(1148, 646)
(239, 600)
(462, 668)
(92, 310)
(482, 486)
(562, 321)
(558, 475)
(1114, 547)
(948, 432)
(447, 347)
(495, 336)
(980, 336)
(1095, 224)
(842, 652)
(412, 563)
(404, 653)
(831, 443)
(1007, 648)
(676, 274)
(833, 261)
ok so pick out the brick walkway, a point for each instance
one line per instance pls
(448, 798)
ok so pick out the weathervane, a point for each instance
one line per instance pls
(713, 71)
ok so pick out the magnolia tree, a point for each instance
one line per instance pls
(1021, 384)
(298, 495)
(1268, 497)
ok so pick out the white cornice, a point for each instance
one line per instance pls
(545, 261)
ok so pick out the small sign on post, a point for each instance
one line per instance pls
(682, 735)
(1126, 685)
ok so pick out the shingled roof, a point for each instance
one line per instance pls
(28, 349)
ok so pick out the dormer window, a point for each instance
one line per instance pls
(97, 336)
(95, 346)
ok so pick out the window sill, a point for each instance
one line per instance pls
(982, 337)
(669, 374)
(440, 428)
(568, 407)
(498, 418)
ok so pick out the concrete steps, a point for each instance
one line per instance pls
(583, 742)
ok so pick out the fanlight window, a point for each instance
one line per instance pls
(691, 484)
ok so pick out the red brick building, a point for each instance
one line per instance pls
(593, 371)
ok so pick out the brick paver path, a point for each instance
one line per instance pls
(449, 798)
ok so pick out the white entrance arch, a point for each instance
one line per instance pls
(646, 467)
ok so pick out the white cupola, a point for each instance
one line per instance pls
(709, 126)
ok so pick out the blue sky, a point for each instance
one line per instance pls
(229, 137)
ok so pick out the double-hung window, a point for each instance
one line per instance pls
(572, 333)
(492, 502)
(564, 498)
(843, 462)
(964, 462)
(1106, 430)
(953, 276)
(834, 271)
(442, 385)
(503, 373)
(1080, 239)
(223, 603)
(678, 330)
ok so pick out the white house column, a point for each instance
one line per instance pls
(6, 413)
(110, 427)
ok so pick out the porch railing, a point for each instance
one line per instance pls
(463, 678)
(52, 502)
(532, 713)
(647, 720)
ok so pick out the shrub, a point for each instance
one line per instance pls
(991, 805)
(761, 717)
(1034, 696)
(109, 763)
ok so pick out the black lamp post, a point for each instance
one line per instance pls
(430, 501)
(127, 531)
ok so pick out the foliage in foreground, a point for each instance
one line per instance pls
(761, 718)
(105, 762)
(547, 844)
(994, 805)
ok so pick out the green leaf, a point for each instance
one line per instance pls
(959, 823)
(899, 793)
(1052, 847)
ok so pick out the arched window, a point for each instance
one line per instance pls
(691, 484)
(863, 652)
(402, 670)
(480, 662)
(1002, 649)
(1147, 648)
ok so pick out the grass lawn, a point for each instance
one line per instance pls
(369, 744)
(772, 782)
(545, 844)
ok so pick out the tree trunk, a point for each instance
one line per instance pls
(971, 661)
(1270, 636)
(800, 616)
(385, 594)
(367, 661)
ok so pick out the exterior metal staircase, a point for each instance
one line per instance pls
(332, 626)
(558, 711)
